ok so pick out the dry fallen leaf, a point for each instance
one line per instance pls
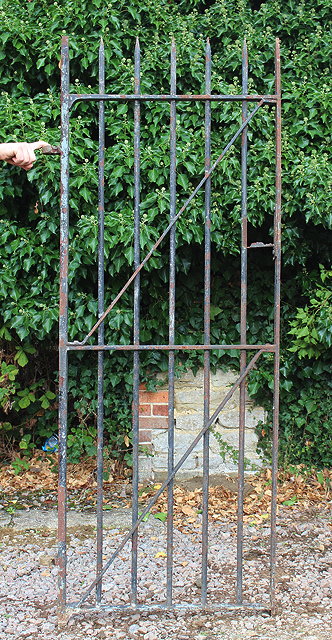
(189, 511)
(187, 503)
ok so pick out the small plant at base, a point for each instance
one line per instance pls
(20, 465)
(228, 453)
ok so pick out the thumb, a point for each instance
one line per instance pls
(38, 145)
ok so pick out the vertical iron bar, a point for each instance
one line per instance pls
(100, 408)
(137, 119)
(277, 280)
(207, 304)
(243, 328)
(171, 330)
(63, 328)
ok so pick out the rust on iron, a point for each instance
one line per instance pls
(136, 327)
(277, 284)
(63, 329)
(121, 97)
(170, 347)
(101, 296)
(207, 327)
(243, 328)
(171, 329)
(50, 149)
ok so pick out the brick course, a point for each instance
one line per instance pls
(153, 422)
(154, 397)
(145, 409)
(153, 411)
(160, 409)
(144, 436)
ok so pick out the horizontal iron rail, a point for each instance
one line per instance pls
(260, 245)
(173, 221)
(168, 97)
(170, 477)
(228, 606)
(169, 347)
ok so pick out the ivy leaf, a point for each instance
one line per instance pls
(160, 516)
(291, 501)
(24, 402)
(21, 358)
(214, 311)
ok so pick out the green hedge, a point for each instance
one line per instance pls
(29, 80)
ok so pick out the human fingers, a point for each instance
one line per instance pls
(38, 145)
(24, 156)
(26, 167)
(32, 146)
(21, 154)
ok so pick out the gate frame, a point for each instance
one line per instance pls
(65, 609)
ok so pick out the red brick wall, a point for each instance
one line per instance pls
(153, 413)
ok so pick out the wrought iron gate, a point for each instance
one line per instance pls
(67, 101)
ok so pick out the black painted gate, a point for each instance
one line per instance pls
(92, 596)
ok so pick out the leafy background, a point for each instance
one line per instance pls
(29, 80)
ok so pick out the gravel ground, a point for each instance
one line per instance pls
(28, 582)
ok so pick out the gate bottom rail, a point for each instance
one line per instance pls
(190, 606)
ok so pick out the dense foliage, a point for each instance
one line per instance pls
(29, 79)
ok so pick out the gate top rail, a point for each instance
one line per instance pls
(168, 97)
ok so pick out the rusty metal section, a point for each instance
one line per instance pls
(49, 150)
(247, 361)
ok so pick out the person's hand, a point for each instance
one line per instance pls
(20, 154)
